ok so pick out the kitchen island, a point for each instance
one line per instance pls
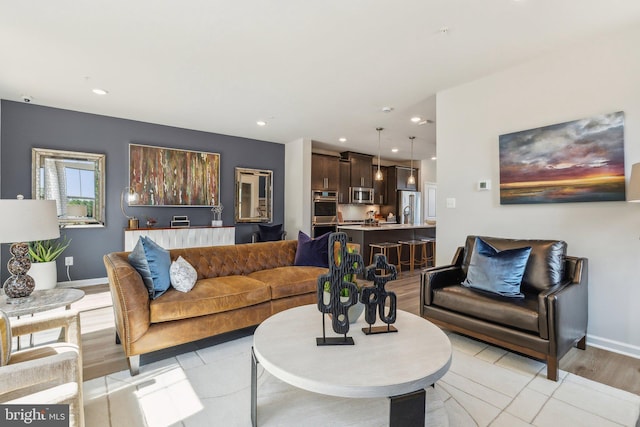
(364, 235)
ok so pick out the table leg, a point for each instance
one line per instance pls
(408, 409)
(254, 389)
(412, 252)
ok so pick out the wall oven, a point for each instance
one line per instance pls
(361, 195)
(324, 212)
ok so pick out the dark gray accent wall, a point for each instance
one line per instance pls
(24, 126)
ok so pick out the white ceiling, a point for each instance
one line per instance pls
(314, 69)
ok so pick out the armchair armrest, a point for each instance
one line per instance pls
(438, 277)
(69, 320)
(58, 369)
(567, 307)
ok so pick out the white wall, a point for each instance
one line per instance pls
(599, 77)
(297, 187)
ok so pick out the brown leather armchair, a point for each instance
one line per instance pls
(545, 324)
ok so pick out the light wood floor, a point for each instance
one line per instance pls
(102, 356)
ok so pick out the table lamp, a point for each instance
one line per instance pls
(131, 197)
(24, 221)
(633, 190)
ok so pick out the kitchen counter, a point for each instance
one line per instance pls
(383, 226)
(366, 235)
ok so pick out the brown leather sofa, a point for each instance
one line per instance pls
(550, 319)
(238, 286)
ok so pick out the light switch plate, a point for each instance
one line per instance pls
(451, 202)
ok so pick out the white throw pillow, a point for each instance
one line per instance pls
(183, 275)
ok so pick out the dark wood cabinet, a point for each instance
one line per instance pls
(345, 181)
(360, 169)
(380, 187)
(325, 172)
(402, 175)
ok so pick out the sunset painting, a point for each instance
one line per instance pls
(169, 177)
(578, 161)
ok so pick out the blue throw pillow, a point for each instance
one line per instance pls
(153, 263)
(312, 252)
(270, 233)
(499, 272)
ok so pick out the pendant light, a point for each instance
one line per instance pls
(411, 180)
(378, 176)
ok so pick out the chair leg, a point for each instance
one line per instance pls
(552, 368)
(582, 344)
(134, 364)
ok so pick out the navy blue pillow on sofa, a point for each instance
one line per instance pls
(312, 252)
(269, 233)
(499, 272)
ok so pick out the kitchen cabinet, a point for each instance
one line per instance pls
(360, 164)
(325, 172)
(398, 176)
(345, 181)
(380, 187)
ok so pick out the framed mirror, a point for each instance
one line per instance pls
(74, 180)
(254, 195)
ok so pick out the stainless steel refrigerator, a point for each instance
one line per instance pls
(409, 207)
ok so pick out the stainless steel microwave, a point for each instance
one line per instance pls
(361, 195)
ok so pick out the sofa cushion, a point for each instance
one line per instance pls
(289, 281)
(312, 252)
(545, 267)
(153, 263)
(516, 313)
(183, 275)
(215, 295)
(496, 271)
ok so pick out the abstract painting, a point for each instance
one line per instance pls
(170, 177)
(577, 161)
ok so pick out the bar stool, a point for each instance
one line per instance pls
(412, 253)
(430, 252)
(384, 249)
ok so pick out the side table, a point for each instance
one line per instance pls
(41, 300)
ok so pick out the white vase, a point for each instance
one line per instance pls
(45, 274)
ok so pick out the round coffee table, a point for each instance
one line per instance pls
(396, 365)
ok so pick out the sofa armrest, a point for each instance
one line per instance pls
(438, 277)
(567, 308)
(130, 299)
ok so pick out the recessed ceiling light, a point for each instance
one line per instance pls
(99, 91)
(434, 158)
(394, 150)
(342, 139)
(387, 109)
(261, 123)
(416, 119)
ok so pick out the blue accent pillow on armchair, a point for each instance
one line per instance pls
(270, 233)
(312, 252)
(498, 272)
(153, 263)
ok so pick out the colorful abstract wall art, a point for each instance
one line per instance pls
(170, 177)
(578, 161)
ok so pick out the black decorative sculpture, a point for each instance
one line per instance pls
(345, 264)
(376, 297)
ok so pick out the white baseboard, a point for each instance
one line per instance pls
(83, 283)
(614, 346)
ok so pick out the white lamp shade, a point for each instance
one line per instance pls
(28, 220)
(633, 191)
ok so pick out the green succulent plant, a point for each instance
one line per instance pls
(47, 250)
